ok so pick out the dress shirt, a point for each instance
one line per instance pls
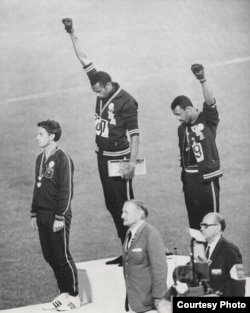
(212, 246)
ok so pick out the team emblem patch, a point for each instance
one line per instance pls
(49, 172)
(201, 127)
(237, 272)
(51, 164)
(111, 115)
(198, 130)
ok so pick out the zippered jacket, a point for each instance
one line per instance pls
(115, 117)
(201, 137)
(53, 188)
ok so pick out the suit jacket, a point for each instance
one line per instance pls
(226, 270)
(145, 268)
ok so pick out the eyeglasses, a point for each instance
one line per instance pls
(206, 225)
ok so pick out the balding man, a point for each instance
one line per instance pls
(144, 260)
(227, 276)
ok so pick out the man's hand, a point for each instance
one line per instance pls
(58, 225)
(68, 22)
(34, 222)
(156, 302)
(198, 71)
(129, 172)
(164, 306)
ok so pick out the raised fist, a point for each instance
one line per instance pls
(198, 71)
(68, 22)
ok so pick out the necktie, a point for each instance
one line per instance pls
(207, 251)
(128, 240)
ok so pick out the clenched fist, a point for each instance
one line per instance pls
(68, 23)
(198, 71)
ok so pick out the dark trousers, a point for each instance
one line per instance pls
(116, 191)
(200, 198)
(55, 248)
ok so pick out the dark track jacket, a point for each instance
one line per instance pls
(53, 188)
(114, 117)
(202, 134)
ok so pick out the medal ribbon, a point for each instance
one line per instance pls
(40, 176)
(108, 102)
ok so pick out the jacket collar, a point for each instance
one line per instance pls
(217, 248)
(137, 235)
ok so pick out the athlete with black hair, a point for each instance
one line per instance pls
(199, 157)
(115, 116)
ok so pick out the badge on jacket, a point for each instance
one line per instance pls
(237, 272)
(137, 250)
(216, 271)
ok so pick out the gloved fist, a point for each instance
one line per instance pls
(68, 22)
(198, 71)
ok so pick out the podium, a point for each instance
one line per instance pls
(85, 291)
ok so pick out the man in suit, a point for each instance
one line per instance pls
(144, 260)
(227, 277)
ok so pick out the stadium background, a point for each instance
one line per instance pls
(148, 47)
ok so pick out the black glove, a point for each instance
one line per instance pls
(68, 22)
(198, 71)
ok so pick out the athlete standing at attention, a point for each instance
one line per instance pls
(115, 115)
(51, 213)
(199, 156)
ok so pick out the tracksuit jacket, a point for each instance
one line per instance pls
(114, 116)
(54, 191)
(202, 134)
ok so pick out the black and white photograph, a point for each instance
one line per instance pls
(124, 162)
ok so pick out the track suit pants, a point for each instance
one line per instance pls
(116, 191)
(200, 198)
(55, 248)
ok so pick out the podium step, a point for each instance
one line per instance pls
(102, 287)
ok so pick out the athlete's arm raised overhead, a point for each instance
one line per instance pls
(198, 70)
(80, 51)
